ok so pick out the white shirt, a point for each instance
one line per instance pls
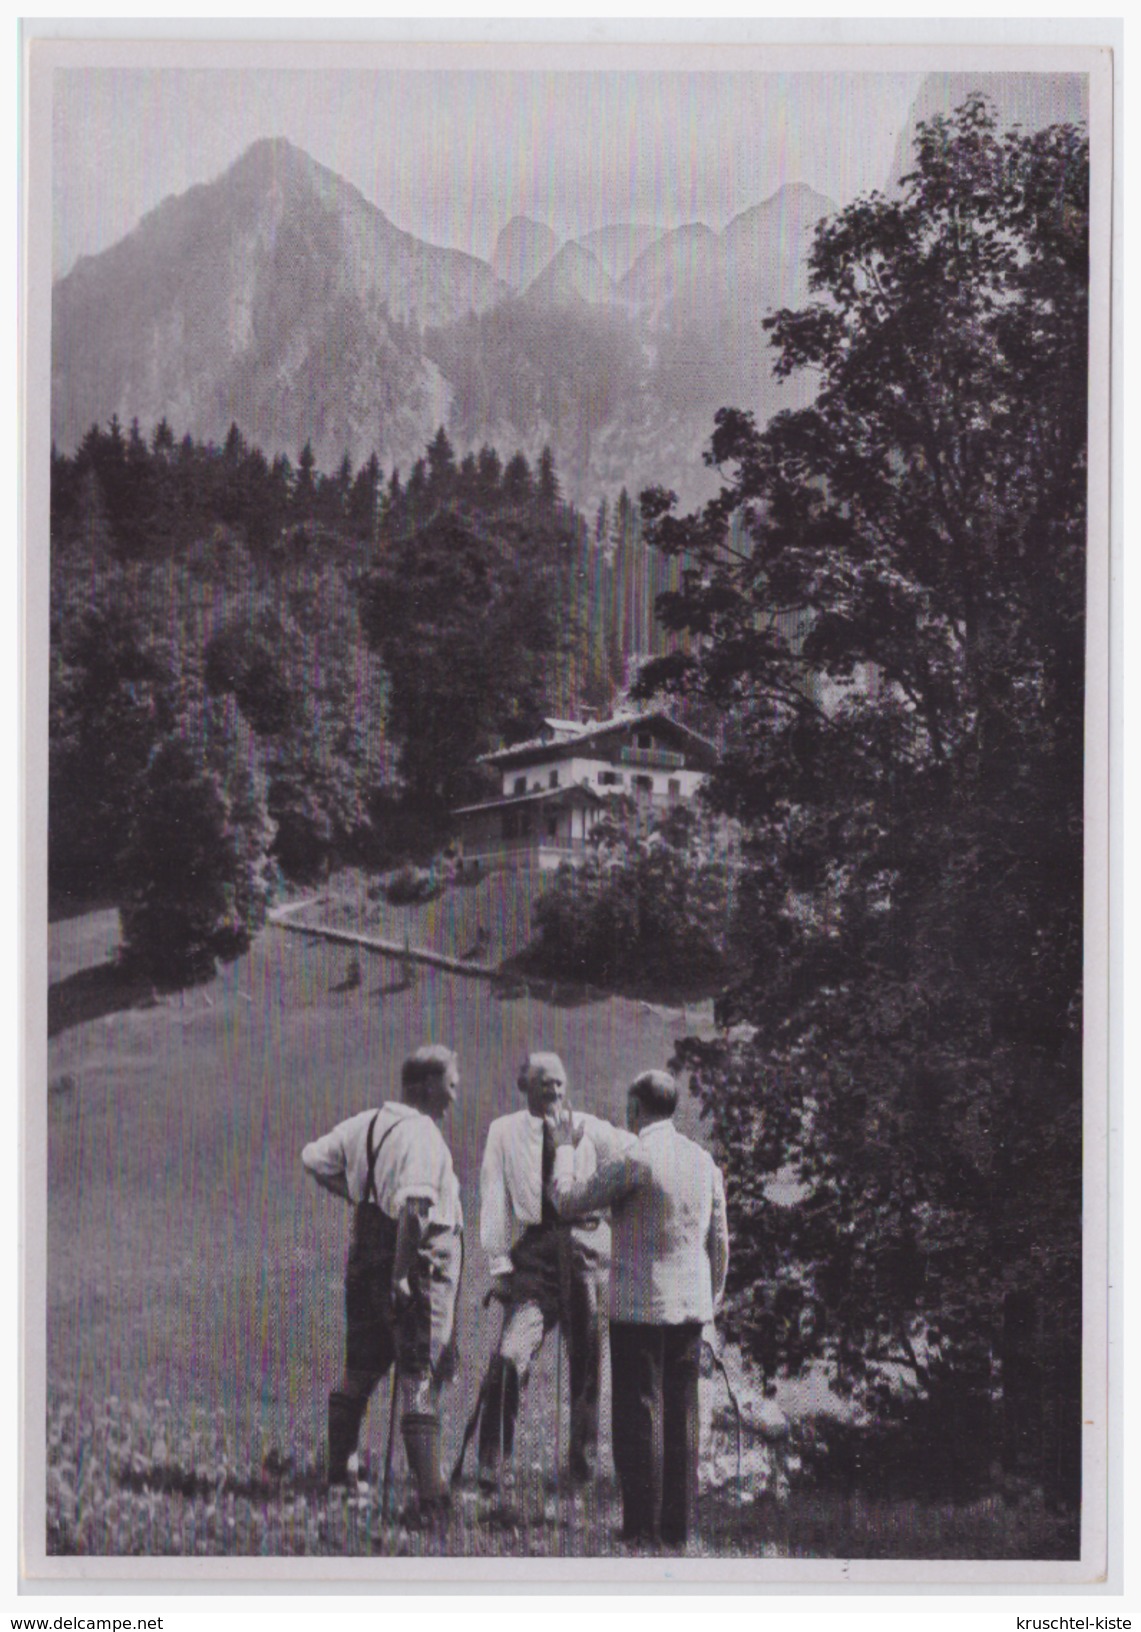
(670, 1249)
(511, 1178)
(412, 1161)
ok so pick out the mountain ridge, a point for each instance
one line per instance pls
(278, 297)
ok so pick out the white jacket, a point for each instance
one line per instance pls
(670, 1235)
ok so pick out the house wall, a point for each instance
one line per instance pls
(482, 833)
(590, 771)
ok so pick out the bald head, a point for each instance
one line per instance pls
(652, 1097)
(543, 1079)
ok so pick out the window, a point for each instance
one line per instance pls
(644, 784)
(674, 789)
(610, 779)
(553, 779)
(645, 739)
(552, 827)
(520, 784)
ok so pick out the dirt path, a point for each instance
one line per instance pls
(284, 918)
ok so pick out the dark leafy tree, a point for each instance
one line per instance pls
(248, 658)
(195, 857)
(886, 602)
(463, 617)
(111, 700)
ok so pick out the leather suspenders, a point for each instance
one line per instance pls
(370, 1196)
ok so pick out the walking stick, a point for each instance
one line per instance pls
(481, 1398)
(720, 1364)
(392, 1409)
(559, 1411)
(472, 1421)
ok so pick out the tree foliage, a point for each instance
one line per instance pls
(196, 856)
(111, 699)
(886, 600)
(188, 576)
(463, 615)
(649, 909)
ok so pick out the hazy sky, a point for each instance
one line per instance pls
(452, 156)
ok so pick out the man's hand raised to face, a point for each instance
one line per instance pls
(560, 1124)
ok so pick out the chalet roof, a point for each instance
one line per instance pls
(568, 728)
(573, 792)
(593, 733)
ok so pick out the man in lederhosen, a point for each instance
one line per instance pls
(404, 1264)
(544, 1272)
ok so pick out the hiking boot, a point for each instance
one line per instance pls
(344, 1422)
(581, 1469)
(428, 1514)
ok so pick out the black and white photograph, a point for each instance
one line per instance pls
(567, 705)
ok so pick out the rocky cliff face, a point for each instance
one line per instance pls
(276, 297)
(279, 298)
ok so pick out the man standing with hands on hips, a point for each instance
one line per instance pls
(669, 1258)
(404, 1264)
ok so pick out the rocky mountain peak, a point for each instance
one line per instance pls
(524, 247)
(574, 275)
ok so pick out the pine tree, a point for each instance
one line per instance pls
(364, 497)
(441, 465)
(490, 469)
(305, 487)
(517, 479)
(548, 480)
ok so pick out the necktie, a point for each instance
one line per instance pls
(548, 1214)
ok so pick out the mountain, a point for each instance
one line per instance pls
(765, 250)
(279, 298)
(693, 275)
(676, 270)
(617, 248)
(276, 296)
(573, 277)
(522, 250)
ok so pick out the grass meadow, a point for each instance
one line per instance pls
(194, 1274)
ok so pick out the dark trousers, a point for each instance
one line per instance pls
(653, 1372)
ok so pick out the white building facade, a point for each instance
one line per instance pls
(555, 788)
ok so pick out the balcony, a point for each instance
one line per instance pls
(652, 759)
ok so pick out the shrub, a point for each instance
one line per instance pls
(410, 884)
(643, 911)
